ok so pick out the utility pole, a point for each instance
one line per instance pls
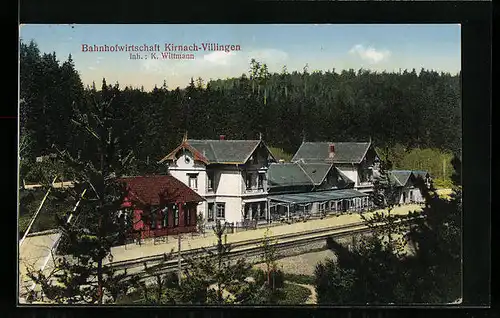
(179, 258)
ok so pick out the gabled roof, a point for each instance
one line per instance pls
(300, 173)
(401, 177)
(158, 189)
(219, 151)
(420, 173)
(316, 171)
(287, 174)
(345, 152)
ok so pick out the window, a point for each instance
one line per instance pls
(262, 214)
(187, 214)
(221, 210)
(153, 220)
(193, 181)
(249, 181)
(210, 180)
(261, 181)
(246, 211)
(321, 207)
(210, 216)
(176, 215)
(165, 217)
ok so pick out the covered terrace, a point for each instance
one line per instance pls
(321, 203)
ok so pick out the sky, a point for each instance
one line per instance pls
(376, 47)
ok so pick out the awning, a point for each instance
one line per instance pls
(253, 200)
(321, 196)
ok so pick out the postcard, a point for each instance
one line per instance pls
(259, 164)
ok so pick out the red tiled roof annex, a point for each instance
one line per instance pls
(150, 189)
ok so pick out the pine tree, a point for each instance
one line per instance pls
(81, 274)
(215, 278)
(378, 272)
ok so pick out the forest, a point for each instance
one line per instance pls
(413, 118)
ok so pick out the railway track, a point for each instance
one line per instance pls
(160, 264)
(236, 245)
(251, 252)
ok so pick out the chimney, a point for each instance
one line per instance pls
(222, 137)
(331, 151)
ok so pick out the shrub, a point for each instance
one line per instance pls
(171, 280)
(300, 278)
(294, 295)
(259, 275)
(442, 183)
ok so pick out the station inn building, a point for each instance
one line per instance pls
(242, 180)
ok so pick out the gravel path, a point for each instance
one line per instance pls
(302, 264)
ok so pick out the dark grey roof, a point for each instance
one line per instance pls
(319, 196)
(299, 173)
(399, 177)
(225, 151)
(420, 173)
(316, 171)
(345, 152)
(287, 174)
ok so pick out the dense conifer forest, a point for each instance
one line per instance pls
(399, 112)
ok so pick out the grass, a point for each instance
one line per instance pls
(444, 193)
(46, 220)
(279, 153)
(300, 278)
(294, 295)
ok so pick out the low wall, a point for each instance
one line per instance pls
(309, 247)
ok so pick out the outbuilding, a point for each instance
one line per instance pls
(162, 205)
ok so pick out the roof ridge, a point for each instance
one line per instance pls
(213, 151)
(303, 170)
(253, 149)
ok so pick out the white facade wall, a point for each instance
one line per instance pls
(417, 195)
(411, 193)
(229, 185)
(181, 171)
(228, 182)
(351, 171)
(233, 207)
